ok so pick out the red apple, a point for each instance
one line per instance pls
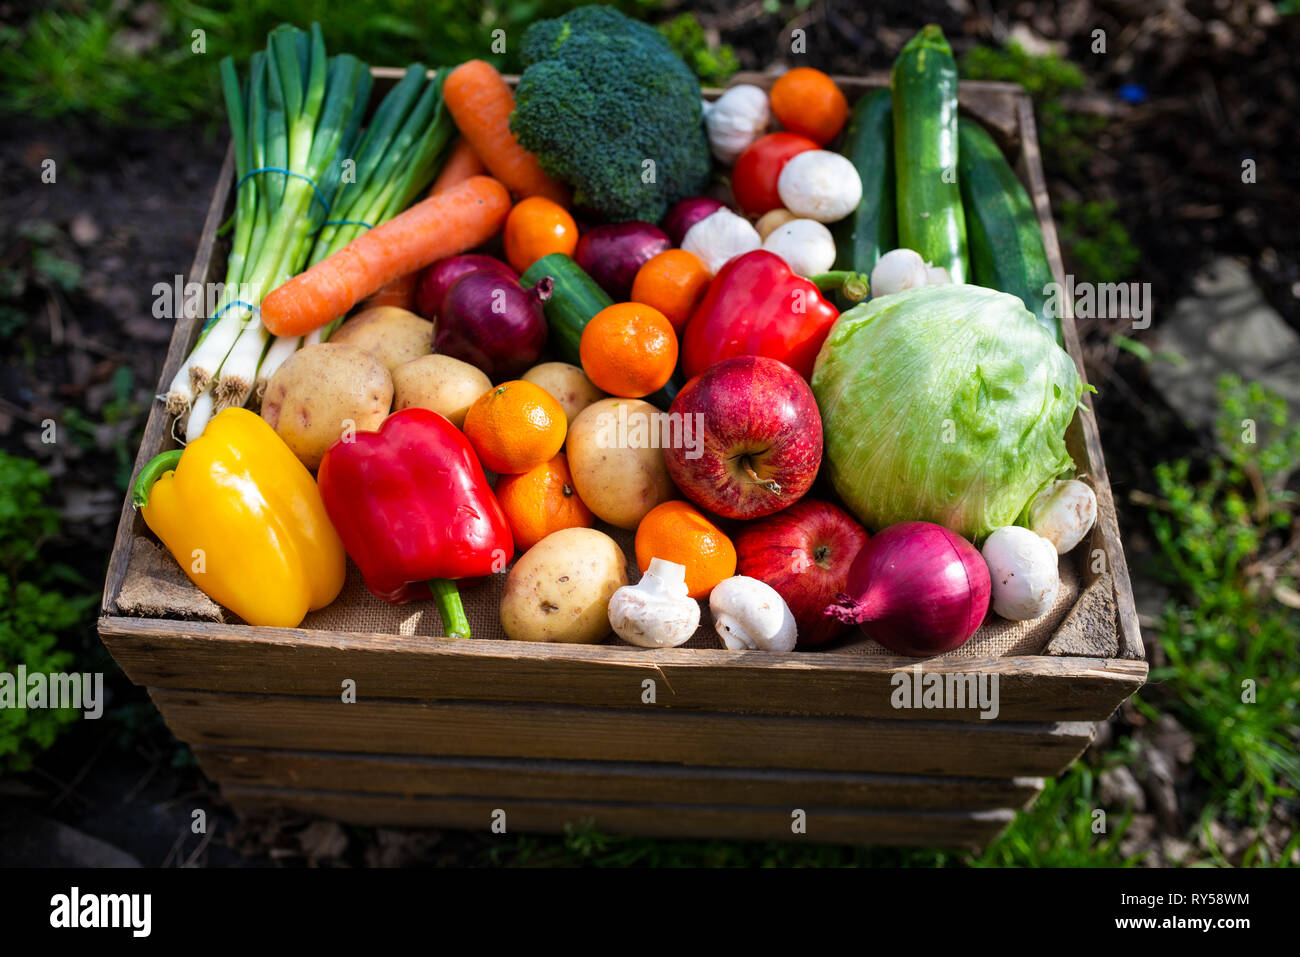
(756, 437)
(804, 552)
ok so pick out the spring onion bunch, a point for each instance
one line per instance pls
(301, 162)
(399, 155)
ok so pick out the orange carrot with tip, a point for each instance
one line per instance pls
(444, 225)
(481, 103)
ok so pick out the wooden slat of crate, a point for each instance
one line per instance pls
(825, 826)
(212, 657)
(500, 729)
(530, 779)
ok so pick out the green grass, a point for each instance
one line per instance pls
(1066, 137)
(36, 610)
(70, 59)
(1096, 242)
(1226, 530)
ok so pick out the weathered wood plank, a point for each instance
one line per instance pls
(824, 826)
(520, 779)
(1094, 464)
(499, 729)
(209, 656)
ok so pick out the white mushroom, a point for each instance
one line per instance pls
(1023, 569)
(1063, 513)
(805, 244)
(897, 270)
(656, 612)
(749, 614)
(820, 185)
(735, 120)
(719, 236)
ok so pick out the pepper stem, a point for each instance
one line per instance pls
(447, 597)
(853, 285)
(153, 470)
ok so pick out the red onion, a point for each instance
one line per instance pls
(489, 320)
(612, 254)
(917, 588)
(686, 214)
(442, 275)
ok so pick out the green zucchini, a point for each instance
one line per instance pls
(574, 300)
(869, 231)
(930, 216)
(1006, 245)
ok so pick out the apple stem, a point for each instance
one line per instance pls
(772, 485)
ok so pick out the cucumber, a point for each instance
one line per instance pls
(930, 216)
(1006, 245)
(574, 300)
(869, 231)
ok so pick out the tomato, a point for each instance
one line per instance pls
(753, 178)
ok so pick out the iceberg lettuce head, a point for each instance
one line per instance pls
(946, 404)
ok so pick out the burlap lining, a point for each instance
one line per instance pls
(151, 589)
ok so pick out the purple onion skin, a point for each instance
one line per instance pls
(917, 588)
(686, 214)
(437, 279)
(612, 254)
(490, 321)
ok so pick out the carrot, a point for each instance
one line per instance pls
(481, 104)
(400, 292)
(434, 228)
(462, 163)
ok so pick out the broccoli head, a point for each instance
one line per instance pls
(606, 106)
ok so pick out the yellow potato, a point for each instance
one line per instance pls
(559, 590)
(322, 392)
(567, 384)
(440, 383)
(618, 469)
(393, 336)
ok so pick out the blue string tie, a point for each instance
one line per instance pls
(316, 193)
(346, 222)
(230, 305)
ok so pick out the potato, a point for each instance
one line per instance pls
(391, 335)
(567, 384)
(615, 472)
(322, 391)
(560, 589)
(439, 383)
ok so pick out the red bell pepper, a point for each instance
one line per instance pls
(415, 511)
(756, 306)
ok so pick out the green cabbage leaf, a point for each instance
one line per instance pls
(946, 404)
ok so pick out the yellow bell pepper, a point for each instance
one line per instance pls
(245, 520)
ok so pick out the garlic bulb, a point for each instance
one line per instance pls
(720, 236)
(736, 119)
(897, 270)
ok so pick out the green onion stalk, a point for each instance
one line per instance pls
(297, 112)
(400, 154)
(301, 112)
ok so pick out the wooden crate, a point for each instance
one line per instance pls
(446, 732)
